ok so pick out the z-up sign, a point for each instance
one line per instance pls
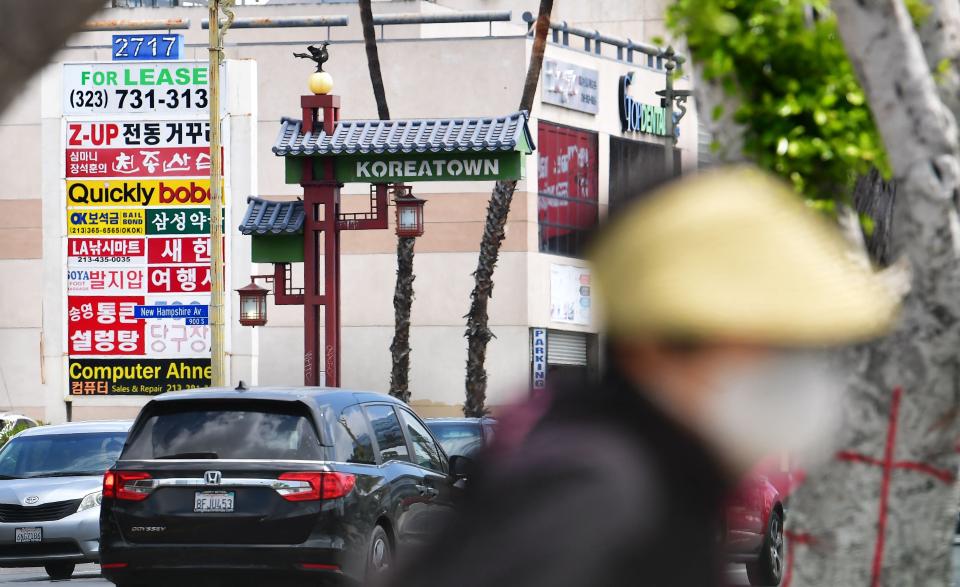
(411, 167)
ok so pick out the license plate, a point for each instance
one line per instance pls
(213, 502)
(28, 535)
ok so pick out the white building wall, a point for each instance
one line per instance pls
(433, 77)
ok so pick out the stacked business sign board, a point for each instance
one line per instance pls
(137, 197)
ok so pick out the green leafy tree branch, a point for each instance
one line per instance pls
(803, 111)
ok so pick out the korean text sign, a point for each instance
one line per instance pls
(136, 198)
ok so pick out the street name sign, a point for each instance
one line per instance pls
(179, 311)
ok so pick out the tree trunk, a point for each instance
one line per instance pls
(373, 59)
(403, 290)
(716, 110)
(882, 512)
(31, 32)
(402, 299)
(874, 198)
(478, 331)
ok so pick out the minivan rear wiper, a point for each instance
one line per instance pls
(191, 455)
(64, 474)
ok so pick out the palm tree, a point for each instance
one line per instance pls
(373, 59)
(403, 291)
(478, 331)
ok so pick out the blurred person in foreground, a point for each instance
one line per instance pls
(718, 296)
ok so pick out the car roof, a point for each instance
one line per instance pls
(314, 396)
(453, 420)
(79, 427)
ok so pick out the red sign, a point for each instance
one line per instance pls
(178, 250)
(179, 279)
(104, 325)
(84, 251)
(568, 172)
(140, 163)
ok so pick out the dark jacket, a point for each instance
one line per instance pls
(601, 490)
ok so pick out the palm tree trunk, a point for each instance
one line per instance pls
(403, 290)
(478, 330)
(402, 299)
(373, 59)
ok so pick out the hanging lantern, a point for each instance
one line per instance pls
(253, 304)
(409, 212)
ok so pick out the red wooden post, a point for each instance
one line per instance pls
(331, 259)
(321, 193)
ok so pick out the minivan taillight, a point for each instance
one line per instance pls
(109, 483)
(314, 486)
(127, 485)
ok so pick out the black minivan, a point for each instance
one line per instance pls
(316, 484)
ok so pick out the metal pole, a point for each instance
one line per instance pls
(668, 97)
(217, 351)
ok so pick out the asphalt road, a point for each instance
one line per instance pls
(90, 575)
(83, 576)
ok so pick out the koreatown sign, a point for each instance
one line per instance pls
(411, 167)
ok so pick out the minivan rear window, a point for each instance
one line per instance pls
(247, 430)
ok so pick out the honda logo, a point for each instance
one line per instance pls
(212, 477)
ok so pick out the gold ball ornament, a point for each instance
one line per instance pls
(320, 82)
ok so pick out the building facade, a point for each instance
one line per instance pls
(599, 135)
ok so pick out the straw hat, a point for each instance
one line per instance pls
(734, 254)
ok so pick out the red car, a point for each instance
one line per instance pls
(753, 528)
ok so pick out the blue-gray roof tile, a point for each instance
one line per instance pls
(272, 217)
(505, 133)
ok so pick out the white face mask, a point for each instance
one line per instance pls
(787, 405)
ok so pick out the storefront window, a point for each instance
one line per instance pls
(635, 168)
(567, 187)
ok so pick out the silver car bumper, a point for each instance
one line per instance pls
(75, 538)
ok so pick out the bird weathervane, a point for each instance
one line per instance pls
(317, 55)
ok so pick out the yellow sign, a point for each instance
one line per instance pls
(100, 221)
(138, 192)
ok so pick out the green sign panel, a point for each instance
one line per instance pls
(414, 167)
(162, 221)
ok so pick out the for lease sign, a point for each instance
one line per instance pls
(161, 86)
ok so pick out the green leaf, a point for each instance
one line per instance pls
(804, 114)
(855, 98)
